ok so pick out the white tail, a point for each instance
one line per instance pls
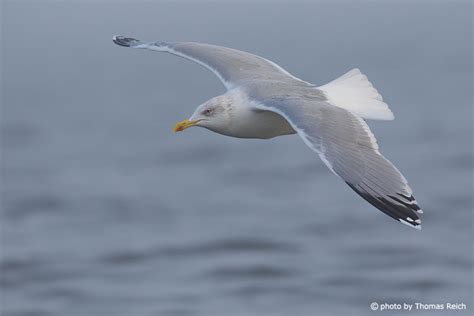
(354, 92)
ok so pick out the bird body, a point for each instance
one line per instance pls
(242, 117)
(264, 101)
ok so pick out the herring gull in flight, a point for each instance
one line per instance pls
(263, 100)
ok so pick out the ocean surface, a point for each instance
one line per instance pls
(104, 211)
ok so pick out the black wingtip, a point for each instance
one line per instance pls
(125, 41)
(403, 210)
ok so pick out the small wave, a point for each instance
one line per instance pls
(250, 272)
(219, 247)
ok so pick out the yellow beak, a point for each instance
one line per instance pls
(181, 126)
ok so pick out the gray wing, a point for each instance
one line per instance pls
(347, 146)
(233, 67)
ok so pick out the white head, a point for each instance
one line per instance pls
(214, 114)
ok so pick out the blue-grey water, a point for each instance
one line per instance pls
(104, 211)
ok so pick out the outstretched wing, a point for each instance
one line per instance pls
(347, 146)
(233, 67)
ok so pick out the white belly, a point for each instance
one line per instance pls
(258, 124)
(243, 119)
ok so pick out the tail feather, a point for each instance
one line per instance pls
(354, 92)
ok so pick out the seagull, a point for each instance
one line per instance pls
(263, 101)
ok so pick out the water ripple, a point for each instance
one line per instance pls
(213, 248)
(250, 272)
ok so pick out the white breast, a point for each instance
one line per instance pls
(246, 121)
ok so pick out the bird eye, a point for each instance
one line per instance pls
(208, 112)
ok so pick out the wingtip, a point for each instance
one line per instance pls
(116, 39)
(125, 41)
(416, 224)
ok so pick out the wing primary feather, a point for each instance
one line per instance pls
(125, 41)
(397, 211)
